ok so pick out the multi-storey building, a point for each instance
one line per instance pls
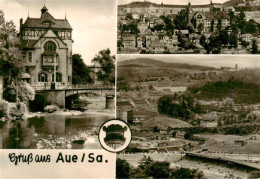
(46, 43)
(166, 9)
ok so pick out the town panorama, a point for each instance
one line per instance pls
(215, 28)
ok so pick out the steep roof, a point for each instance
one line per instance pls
(46, 20)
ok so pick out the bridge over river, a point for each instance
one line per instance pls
(57, 94)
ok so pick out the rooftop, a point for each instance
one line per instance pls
(46, 20)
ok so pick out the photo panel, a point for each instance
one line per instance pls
(188, 27)
(57, 73)
(192, 113)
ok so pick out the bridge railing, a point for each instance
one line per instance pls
(87, 86)
(76, 86)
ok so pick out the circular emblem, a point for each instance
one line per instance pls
(114, 135)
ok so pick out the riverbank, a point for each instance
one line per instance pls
(63, 129)
(80, 140)
(106, 112)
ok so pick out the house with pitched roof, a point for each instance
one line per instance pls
(46, 44)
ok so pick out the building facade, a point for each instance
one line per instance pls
(46, 43)
(166, 9)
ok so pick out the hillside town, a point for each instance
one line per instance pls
(228, 28)
(184, 113)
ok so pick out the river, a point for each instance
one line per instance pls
(26, 134)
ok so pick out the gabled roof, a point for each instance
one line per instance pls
(46, 20)
(44, 23)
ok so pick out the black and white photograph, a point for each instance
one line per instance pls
(130, 89)
(191, 116)
(187, 27)
(57, 72)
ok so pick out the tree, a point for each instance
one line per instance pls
(181, 20)
(181, 173)
(200, 27)
(241, 16)
(80, 71)
(133, 28)
(122, 168)
(194, 22)
(244, 43)
(159, 170)
(219, 24)
(254, 47)
(214, 45)
(212, 25)
(184, 42)
(203, 40)
(251, 26)
(169, 26)
(231, 17)
(106, 74)
(145, 162)
(155, 169)
(12, 63)
(223, 37)
(241, 22)
(233, 40)
(156, 129)
(158, 27)
(129, 16)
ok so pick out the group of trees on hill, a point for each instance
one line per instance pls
(149, 168)
(178, 106)
(238, 90)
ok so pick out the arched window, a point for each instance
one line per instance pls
(49, 46)
(42, 77)
(58, 77)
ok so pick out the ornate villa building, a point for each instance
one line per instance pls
(47, 46)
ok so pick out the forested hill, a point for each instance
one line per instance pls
(238, 90)
(233, 2)
(148, 62)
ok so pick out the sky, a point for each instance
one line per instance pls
(217, 61)
(182, 2)
(93, 21)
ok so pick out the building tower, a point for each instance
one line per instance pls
(46, 43)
